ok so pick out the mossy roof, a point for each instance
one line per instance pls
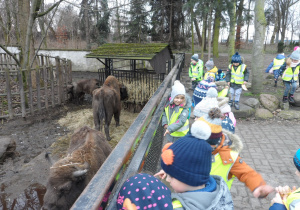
(130, 51)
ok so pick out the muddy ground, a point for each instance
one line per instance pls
(23, 178)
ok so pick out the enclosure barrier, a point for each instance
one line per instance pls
(114, 170)
(26, 91)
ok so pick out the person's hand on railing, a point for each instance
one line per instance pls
(167, 132)
(161, 174)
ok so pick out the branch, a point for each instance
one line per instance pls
(51, 8)
(9, 53)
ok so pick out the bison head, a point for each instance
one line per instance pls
(64, 186)
(123, 92)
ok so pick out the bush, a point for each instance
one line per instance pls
(280, 47)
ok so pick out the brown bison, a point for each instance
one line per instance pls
(78, 89)
(107, 103)
(69, 176)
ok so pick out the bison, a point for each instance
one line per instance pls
(69, 176)
(78, 89)
(107, 103)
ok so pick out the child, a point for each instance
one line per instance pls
(211, 69)
(237, 75)
(220, 76)
(202, 88)
(275, 65)
(143, 191)
(290, 71)
(175, 117)
(196, 70)
(207, 103)
(186, 165)
(228, 121)
(285, 197)
(226, 160)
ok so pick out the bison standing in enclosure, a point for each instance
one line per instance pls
(78, 89)
(107, 103)
(69, 176)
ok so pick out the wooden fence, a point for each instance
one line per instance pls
(27, 91)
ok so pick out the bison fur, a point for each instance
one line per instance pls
(69, 176)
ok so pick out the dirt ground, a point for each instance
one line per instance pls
(23, 178)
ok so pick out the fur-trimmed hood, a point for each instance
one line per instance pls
(233, 141)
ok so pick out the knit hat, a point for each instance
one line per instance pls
(236, 58)
(207, 103)
(177, 89)
(213, 119)
(144, 191)
(297, 160)
(209, 64)
(296, 47)
(224, 106)
(195, 57)
(295, 55)
(189, 158)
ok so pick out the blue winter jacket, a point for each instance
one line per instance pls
(279, 57)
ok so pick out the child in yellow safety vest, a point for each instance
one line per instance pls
(287, 198)
(186, 165)
(275, 65)
(290, 76)
(175, 117)
(196, 70)
(236, 76)
(211, 69)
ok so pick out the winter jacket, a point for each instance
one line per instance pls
(201, 90)
(282, 69)
(279, 57)
(220, 198)
(183, 117)
(228, 77)
(292, 201)
(240, 169)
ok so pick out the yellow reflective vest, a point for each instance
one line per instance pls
(288, 74)
(237, 76)
(176, 204)
(175, 115)
(277, 63)
(218, 167)
(293, 200)
(196, 71)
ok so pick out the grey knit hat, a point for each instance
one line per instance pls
(210, 101)
(295, 55)
(195, 57)
(177, 89)
(209, 64)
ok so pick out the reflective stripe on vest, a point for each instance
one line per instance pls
(237, 76)
(176, 204)
(218, 168)
(289, 74)
(277, 63)
(181, 131)
(293, 200)
(195, 72)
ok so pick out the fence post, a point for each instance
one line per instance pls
(59, 85)
(69, 72)
(22, 95)
(38, 88)
(8, 90)
(29, 82)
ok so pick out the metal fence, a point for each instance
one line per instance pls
(139, 149)
(26, 91)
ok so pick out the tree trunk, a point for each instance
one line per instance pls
(197, 30)
(118, 22)
(231, 37)
(86, 24)
(257, 50)
(216, 29)
(192, 29)
(240, 24)
(203, 36)
(209, 33)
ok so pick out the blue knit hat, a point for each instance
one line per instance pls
(297, 160)
(195, 57)
(295, 55)
(144, 191)
(236, 58)
(189, 158)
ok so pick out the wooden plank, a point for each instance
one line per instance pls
(70, 72)
(8, 90)
(22, 95)
(46, 86)
(52, 86)
(58, 71)
(29, 83)
(38, 88)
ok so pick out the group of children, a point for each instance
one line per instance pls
(201, 162)
(288, 68)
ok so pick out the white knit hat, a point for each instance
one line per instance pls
(224, 106)
(177, 89)
(210, 101)
(200, 130)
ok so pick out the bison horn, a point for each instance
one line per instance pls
(79, 173)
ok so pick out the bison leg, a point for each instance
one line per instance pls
(96, 119)
(106, 126)
(117, 118)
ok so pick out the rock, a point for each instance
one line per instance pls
(284, 106)
(297, 99)
(252, 102)
(289, 115)
(263, 114)
(7, 148)
(244, 112)
(269, 102)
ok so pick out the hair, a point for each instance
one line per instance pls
(184, 100)
(288, 62)
(215, 113)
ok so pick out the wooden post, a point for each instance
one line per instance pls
(8, 90)
(59, 83)
(22, 94)
(46, 86)
(38, 88)
(29, 82)
(52, 86)
(69, 72)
